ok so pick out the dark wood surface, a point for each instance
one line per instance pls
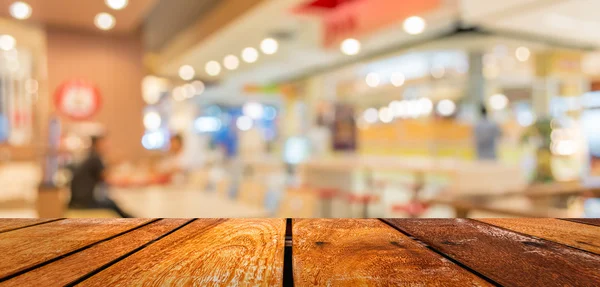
(367, 252)
(506, 257)
(586, 237)
(301, 252)
(591, 221)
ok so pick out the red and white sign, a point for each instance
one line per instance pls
(78, 100)
(355, 18)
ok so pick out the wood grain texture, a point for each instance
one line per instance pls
(590, 221)
(67, 270)
(8, 224)
(576, 235)
(207, 252)
(30, 246)
(508, 258)
(367, 252)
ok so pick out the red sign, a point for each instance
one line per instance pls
(354, 18)
(78, 100)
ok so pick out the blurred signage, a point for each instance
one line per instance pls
(285, 90)
(562, 64)
(78, 100)
(353, 18)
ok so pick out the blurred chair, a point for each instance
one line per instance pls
(91, 213)
(298, 203)
(252, 192)
(198, 179)
(222, 187)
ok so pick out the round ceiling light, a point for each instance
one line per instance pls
(213, 68)
(446, 108)
(522, 54)
(116, 4)
(373, 80)
(350, 47)
(249, 55)
(199, 86)
(269, 46)
(152, 121)
(498, 101)
(231, 62)
(397, 79)
(7, 42)
(414, 25)
(20, 10)
(105, 21)
(186, 72)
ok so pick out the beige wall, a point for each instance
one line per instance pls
(114, 64)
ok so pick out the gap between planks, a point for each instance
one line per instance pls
(114, 261)
(73, 251)
(30, 225)
(458, 263)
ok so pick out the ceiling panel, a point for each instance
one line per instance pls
(79, 14)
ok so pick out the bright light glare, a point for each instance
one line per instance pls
(153, 140)
(446, 107)
(152, 121)
(414, 25)
(270, 113)
(152, 88)
(244, 123)
(249, 55)
(179, 94)
(438, 72)
(253, 110)
(20, 10)
(350, 47)
(373, 80)
(7, 42)
(397, 79)
(498, 101)
(426, 106)
(199, 87)
(207, 124)
(371, 115)
(231, 62)
(104, 21)
(213, 68)
(269, 46)
(190, 91)
(385, 115)
(186, 72)
(414, 108)
(400, 110)
(522, 54)
(564, 147)
(116, 4)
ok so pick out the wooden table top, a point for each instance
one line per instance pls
(300, 252)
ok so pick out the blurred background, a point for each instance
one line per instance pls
(299, 108)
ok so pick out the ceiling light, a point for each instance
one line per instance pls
(179, 94)
(213, 68)
(446, 107)
(116, 4)
(373, 80)
(104, 21)
(20, 10)
(522, 54)
(385, 115)
(350, 47)
(190, 90)
(231, 62)
(152, 121)
(249, 55)
(186, 72)
(254, 110)
(397, 79)
(7, 42)
(414, 25)
(498, 101)
(371, 115)
(269, 46)
(438, 72)
(199, 87)
(426, 106)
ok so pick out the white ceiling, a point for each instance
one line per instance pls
(569, 20)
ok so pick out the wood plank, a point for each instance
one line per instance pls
(207, 252)
(69, 269)
(506, 257)
(8, 224)
(590, 221)
(28, 247)
(367, 252)
(576, 235)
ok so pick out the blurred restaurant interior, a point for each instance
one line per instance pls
(300, 108)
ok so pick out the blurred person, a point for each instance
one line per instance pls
(90, 176)
(487, 134)
(174, 163)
